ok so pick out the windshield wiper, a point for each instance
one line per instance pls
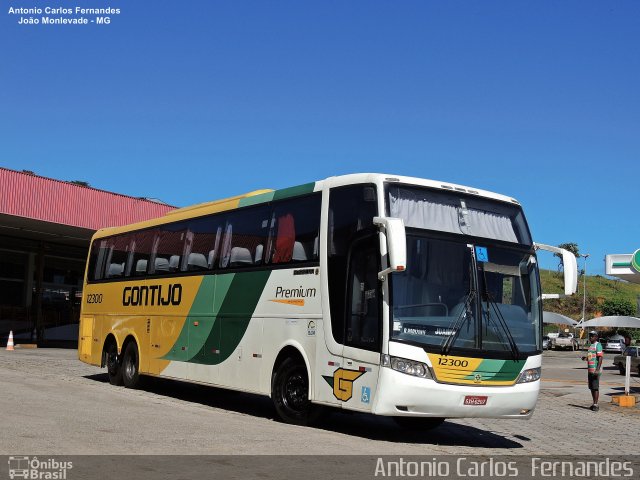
(501, 321)
(456, 327)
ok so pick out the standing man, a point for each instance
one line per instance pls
(594, 365)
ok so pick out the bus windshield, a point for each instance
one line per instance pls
(459, 298)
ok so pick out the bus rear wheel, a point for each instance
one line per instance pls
(114, 367)
(290, 393)
(418, 423)
(130, 366)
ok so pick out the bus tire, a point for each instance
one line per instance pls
(131, 366)
(113, 363)
(290, 393)
(418, 424)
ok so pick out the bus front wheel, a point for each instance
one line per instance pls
(130, 366)
(290, 393)
(114, 366)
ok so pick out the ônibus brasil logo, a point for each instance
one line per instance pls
(35, 469)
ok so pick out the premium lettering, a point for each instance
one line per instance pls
(295, 292)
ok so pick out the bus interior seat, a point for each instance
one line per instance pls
(240, 256)
(211, 258)
(141, 267)
(299, 254)
(196, 261)
(258, 256)
(174, 263)
(161, 265)
(115, 270)
(512, 313)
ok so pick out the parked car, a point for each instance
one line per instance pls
(564, 341)
(632, 353)
(614, 345)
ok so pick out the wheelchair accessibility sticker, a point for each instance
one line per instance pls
(366, 395)
(482, 255)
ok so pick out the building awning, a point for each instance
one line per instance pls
(41, 199)
(612, 321)
(556, 318)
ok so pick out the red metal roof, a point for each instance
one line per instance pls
(49, 200)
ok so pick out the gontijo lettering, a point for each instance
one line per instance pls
(152, 295)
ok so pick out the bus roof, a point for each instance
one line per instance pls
(267, 195)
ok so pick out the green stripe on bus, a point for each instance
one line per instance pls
(498, 370)
(277, 195)
(511, 369)
(233, 318)
(621, 264)
(207, 302)
(223, 283)
(202, 298)
(294, 191)
(256, 199)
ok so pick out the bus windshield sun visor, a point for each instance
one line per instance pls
(448, 212)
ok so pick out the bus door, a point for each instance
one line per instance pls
(363, 327)
(353, 257)
(86, 338)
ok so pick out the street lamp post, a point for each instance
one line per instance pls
(584, 285)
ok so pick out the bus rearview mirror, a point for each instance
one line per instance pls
(394, 231)
(570, 267)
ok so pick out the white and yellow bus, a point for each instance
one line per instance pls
(391, 295)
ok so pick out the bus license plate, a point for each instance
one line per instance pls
(476, 400)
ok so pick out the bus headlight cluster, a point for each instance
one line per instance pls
(410, 367)
(530, 375)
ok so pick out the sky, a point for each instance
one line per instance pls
(192, 101)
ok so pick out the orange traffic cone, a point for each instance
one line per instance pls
(10, 341)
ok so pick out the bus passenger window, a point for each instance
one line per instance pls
(99, 253)
(117, 256)
(142, 246)
(200, 249)
(168, 248)
(244, 236)
(293, 237)
(285, 239)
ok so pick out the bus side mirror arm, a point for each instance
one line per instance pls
(570, 267)
(394, 231)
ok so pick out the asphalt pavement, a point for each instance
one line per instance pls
(53, 404)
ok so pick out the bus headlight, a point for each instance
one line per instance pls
(530, 375)
(410, 367)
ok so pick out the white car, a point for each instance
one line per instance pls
(565, 340)
(614, 345)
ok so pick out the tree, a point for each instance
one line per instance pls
(572, 247)
(618, 307)
(81, 183)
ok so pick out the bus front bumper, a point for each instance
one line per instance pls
(400, 394)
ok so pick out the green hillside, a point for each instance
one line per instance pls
(599, 289)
